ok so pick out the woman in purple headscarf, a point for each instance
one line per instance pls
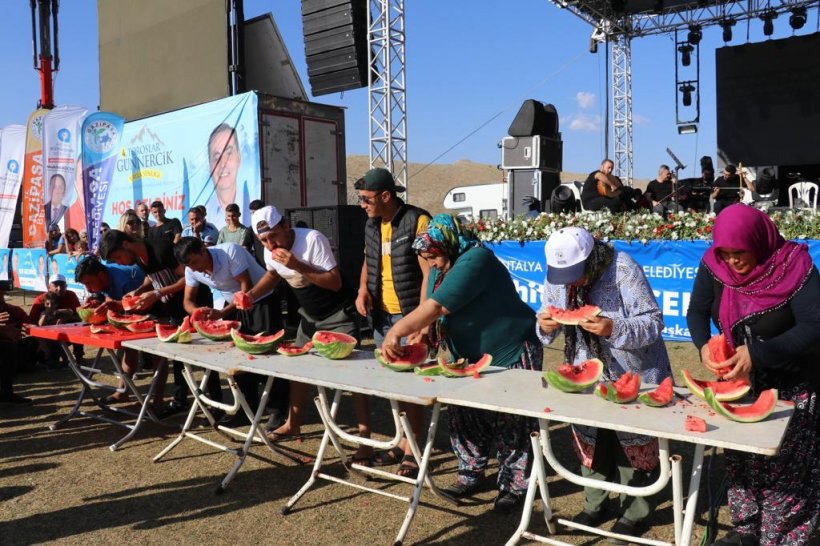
(763, 293)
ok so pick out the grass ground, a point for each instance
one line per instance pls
(66, 487)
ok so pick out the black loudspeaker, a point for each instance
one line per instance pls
(562, 200)
(343, 225)
(335, 34)
(525, 183)
(535, 118)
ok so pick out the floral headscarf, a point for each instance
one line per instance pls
(445, 237)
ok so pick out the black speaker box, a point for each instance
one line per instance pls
(535, 118)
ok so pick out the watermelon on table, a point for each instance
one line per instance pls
(216, 330)
(569, 378)
(466, 369)
(573, 317)
(333, 345)
(167, 332)
(91, 315)
(724, 391)
(694, 424)
(660, 396)
(414, 355)
(762, 407)
(622, 391)
(141, 327)
(122, 321)
(291, 349)
(258, 344)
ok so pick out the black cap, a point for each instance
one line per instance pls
(378, 179)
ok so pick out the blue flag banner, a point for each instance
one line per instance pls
(28, 266)
(669, 266)
(64, 265)
(5, 260)
(102, 132)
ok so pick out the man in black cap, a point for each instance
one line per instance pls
(394, 278)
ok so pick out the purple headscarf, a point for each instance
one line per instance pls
(782, 266)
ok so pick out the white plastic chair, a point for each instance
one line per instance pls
(803, 195)
(576, 191)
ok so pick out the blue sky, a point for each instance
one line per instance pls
(467, 62)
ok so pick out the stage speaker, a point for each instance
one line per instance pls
(335, 33)
(343, 225)
(533, 152)
(525, 183)
(535, 118)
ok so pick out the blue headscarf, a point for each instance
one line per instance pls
(445, 237)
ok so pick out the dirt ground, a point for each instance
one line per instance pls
(67, 487)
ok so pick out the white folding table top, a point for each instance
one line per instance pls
(521, 392)
(359, 373)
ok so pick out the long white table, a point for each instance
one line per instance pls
(359, 373)
(521, 392)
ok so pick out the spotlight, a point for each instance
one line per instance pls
(694, 34)
(687, 89)
(726, 25)
(688, 129)
(798, 18)
(593, 45)
(686, 54)
(768, 18)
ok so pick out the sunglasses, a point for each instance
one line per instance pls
(132, 223)
(369, 200)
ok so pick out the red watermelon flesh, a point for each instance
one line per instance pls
(724, 391)
(216, 330)
(569, 378)
(414, 355)
(622, 391)
(142, 327)
(200, 313)
(291, 349)
(573, 317)
(167, 332)
(660, 396)
(130, 303)
(470, 370)
(242, 300)
(694, 424)
(719, 349)
(762, 407)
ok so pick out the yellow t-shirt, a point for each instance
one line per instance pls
(390, 300)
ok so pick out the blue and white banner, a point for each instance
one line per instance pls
(202, 155)
(63, 264)
(28, 268)
(61, 150)
(669, 266)
(102, 132)
(12, 154)
(5, 259)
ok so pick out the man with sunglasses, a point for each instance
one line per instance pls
(394, 278)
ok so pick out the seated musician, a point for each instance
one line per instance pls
(660, 191)
(698, 190)
(603, 190)
(726, 190)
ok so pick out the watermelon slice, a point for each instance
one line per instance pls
(724, 391)
(101, 329)
(142, 327)
(428, 369)
(694, 424)
(242, 300)
(258, 344)
(573, 317)
(660, 396)
(129, 303)
(167, 333)
(414, 355)
(447, 369)
(289, 349)
(200, 313)
(333, 345)
(720, 351)
(569, 378)
(90, 315)
(762, 407)
(122, 321)
(216, 330)
(622, 391)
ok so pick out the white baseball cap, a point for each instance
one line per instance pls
(567, 250)
(265, 219)
(57, 278)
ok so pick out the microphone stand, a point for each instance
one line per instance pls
(678, 167)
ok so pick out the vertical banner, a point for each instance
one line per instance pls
(5, 262)
(101, 133)
(29, 268)
(12, 154)
(61, 149)
(34, 226)
(63, 264)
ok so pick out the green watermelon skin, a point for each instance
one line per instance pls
(333, 345)
(216, 330)
(256, 345)
(589, 373)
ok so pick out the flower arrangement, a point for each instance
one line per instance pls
(638, 226)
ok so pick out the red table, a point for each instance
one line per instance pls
(110, 344)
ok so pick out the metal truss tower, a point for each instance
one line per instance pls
(622, 105)
(387, 83)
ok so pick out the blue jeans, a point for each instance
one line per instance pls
(382, 322)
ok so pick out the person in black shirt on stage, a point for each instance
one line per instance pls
(726, 190)
(660, 190)
(603, 190)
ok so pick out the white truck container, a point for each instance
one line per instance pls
(478, 201)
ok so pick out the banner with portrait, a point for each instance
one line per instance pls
(201, 155)
(61, 152)
(5, 263)
(28, 268)
(101, 134)
(65, 265)
(33, 186)
(12, 154)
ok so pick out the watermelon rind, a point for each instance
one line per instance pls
(698, 387)
(216, 330)
(121, 321)
(256, 345)
(184, 336)
(89, 315)
(467, 371)
(655, 399)
(763, 406)
(566, 383)
(607, 391)
(289, 349)
(165, 334)
(415, 355)
(428, 369)
(341, 346)
(141, 327)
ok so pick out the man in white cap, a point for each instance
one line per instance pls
(304, 259)
(626, 336)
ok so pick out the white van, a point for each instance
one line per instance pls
(480, 201)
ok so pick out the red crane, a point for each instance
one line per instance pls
(44, 20)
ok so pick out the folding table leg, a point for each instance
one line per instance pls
(692, 501)
(86, 384)
(186, 373)
(144, 403)
(537, 482)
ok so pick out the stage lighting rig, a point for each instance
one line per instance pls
(798, 18)
(687, 89)
(686, 54)
(726, 25)
(768, 18)
(694, 35)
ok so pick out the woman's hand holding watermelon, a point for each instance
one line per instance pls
(600, 326)
(391, 346)
(740, 364)
(546, 323)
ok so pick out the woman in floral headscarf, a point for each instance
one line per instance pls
(472, 308)
(763, 292)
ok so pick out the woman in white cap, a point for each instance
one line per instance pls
(626, 337)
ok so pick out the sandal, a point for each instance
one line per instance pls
(276, 437)
(362, 461)
(408, 468)
(389, 457)
(115, 399)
